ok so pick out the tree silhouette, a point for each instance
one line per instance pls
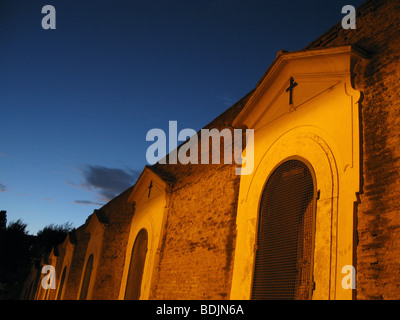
(15, 258)
(3, 220)
(50, 236)
(19, 250)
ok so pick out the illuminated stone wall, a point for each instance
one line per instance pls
(118, 215)
(378, 251)
(195, 259)
(196, 256)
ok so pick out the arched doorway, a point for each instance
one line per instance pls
(136, 267)
(284, 256)
(86, 278)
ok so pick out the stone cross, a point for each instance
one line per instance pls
(291, 86)
(150, 186)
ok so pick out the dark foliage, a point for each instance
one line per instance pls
(19, 250)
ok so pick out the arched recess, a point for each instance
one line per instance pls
(150, 198)
(136, 268)
(95, 228)
(285, 233)
(319, 122)
(87, 276)
(62, 283)
(312, 145)
(67, 249)
(143, 237)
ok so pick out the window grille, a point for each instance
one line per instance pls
(284, 255)
(136, 267)
(86, 278)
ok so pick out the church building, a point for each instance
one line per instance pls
(316, 218)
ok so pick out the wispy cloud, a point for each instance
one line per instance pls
(105, 182)
(47, 199)
(3, 188)
(226, 99)
(87, 202)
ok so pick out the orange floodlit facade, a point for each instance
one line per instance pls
(326, 139)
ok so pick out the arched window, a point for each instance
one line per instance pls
(136, 267)
(284, 256)
(60, 289)
(86, 278)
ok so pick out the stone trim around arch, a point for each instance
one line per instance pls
(334, 226)
(149, 214)
(95, 228)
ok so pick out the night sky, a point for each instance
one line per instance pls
(76, 102)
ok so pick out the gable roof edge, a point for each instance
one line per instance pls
(283, 56)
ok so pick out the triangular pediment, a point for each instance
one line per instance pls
(149, 185)
(69, 241)
(68, 244)
(96, 220)
(295, 79)
(54, 252)
(71, 238)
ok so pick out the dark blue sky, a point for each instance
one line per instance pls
(76, 102)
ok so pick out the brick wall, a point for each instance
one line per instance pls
(378, 220)
(197, 253)
(196, 259)
(118, 215)
(77, 263)
(198, 243)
